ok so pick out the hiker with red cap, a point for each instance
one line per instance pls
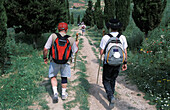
(61, 48)
(114, 47)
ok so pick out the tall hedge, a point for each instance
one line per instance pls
(147, 14)
(88, 16)
(98, 15)
(3, 35)
(109, 10)
(123, 12)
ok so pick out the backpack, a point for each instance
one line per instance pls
(114, 52)
(61, 49)
(83, 27)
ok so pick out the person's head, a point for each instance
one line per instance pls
(114, 24)
(62, 27)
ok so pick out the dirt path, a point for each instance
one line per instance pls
(127, 97)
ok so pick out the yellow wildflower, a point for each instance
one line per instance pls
(168, 80)
(159, 81)
(141, 49)
(164, 79)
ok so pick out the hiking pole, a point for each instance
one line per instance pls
(100, 62)
(75, 53)
(99, 69)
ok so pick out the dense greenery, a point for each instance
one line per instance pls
(33, 18)
(123, 12)
(149, 69)
(20, 88)
(147, 14)
(72, 18)
(88, 17)
(3, 35)
(109, 10)
(98, 15)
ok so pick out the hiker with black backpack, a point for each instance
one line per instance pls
(61, 47)
(113, 46)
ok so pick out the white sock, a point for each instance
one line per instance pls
(55, 89)
(63, 91)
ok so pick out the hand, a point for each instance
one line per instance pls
(124, 67)
(46, 60)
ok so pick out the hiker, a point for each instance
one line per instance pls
(61, 47)
(83, 27)
(111, 67)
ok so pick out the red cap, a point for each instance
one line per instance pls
(62, 26)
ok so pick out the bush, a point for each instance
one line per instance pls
(149, 69)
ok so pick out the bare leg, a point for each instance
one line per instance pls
(54, 81)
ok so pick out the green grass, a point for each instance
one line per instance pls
(20, 88)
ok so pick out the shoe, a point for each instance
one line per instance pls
(112, 101)
(64, 97)
(55, 98)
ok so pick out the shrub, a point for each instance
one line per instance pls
(149, 69)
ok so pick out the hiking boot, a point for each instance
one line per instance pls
(112, 101)
(64, 96)
(55, 98)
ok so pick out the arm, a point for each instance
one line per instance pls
(101, 52)
(124, 66)
(45, 52)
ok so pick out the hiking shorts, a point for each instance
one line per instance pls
(83, 30)
(63, 68)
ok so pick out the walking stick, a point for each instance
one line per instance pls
(76, 53)
(100, 62)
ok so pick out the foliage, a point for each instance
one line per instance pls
(72, 18)
(109, 10)
(149, 69)
(33, 18)
(3, 35)
(123, 12)
(88, 17)
(98, 15)
(78, 19)
(20, 87)
(147, 14)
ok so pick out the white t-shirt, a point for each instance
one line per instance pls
(105, 39)
(50, 39)
(83, 26)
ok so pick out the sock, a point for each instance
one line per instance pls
(63, 91)
(55, 89)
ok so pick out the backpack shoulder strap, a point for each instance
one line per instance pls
(110, 35)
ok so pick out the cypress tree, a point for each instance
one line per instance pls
(147, 14)
(72, 18)
(67, 11)
(98, 15)
(123, 12)
(88, 17)
(78, 19)
(109, 10)
(3, 35)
